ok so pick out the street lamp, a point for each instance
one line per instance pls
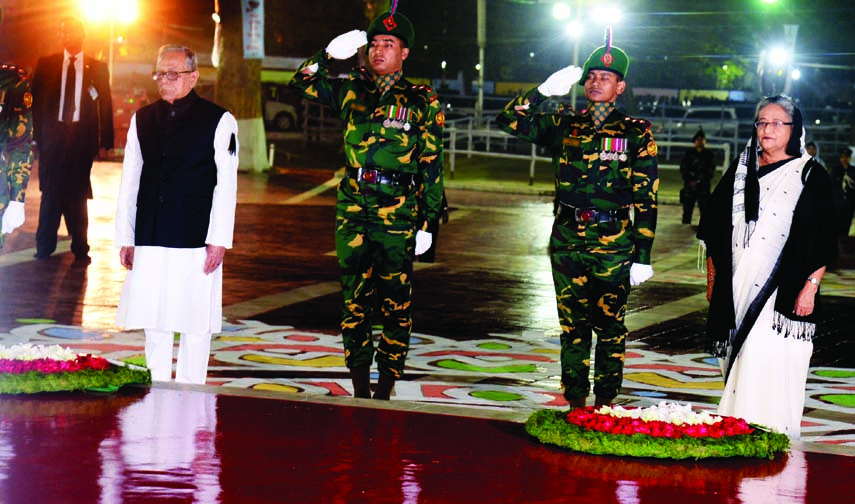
(112, 11)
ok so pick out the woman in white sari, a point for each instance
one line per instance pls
(769, 231)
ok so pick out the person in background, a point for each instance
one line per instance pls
(16, 153)
(391, 193)
(843, 177)
(73, 123)
(175, 219)
(605, 168)
(812, 151)
(697, 167)
(770, 231)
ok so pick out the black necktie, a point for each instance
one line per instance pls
(68, 104)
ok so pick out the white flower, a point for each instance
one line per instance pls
(28, 351)
(674, 413)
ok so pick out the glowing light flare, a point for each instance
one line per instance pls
(560, 11)
(123, 11)
(574, 29)
(779, 57)
(606, 14)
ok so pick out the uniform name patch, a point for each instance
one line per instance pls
(571, 142)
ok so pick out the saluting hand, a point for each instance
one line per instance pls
(559, 83)
(345, 45)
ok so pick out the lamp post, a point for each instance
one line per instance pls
(111, 11)
(599, 15)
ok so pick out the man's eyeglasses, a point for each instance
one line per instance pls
(771, 124)
(171, 76)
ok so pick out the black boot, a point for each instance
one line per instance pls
(385, 385)
(576, 403)
(361, 377)
(599, 401)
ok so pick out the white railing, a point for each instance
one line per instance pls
(488, 137)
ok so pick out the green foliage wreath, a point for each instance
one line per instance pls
(550, 427)
(107, 380)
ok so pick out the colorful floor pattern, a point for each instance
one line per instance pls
(516, 373)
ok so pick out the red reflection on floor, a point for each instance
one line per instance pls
(192, 445)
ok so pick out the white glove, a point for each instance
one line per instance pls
(423, 242)
(13, 217)
(346, 45)
(559, 83)
(639, 273)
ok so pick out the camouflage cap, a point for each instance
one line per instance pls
(392, 24)
(612, 59)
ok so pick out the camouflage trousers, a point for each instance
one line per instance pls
(375, 243)
(591, 289)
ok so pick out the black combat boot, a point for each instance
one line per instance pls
(385, 384)
(361, 377)
(576, 403)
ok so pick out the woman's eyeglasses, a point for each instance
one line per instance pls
(771, 124)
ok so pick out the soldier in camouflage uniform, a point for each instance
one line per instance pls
(391, 190)
(605, 168)
(16, 135)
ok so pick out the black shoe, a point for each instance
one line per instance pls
(41, 257)
(83, 259)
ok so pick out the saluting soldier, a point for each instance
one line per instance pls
(392, 189)
(605, 169)
(16, 137)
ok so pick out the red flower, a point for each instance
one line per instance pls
(589, 419)
(48, 366)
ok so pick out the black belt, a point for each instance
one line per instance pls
(592, 215)
(380, 177)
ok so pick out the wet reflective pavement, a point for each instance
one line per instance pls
(186, 444)
(275, 423)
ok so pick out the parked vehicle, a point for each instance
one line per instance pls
(282, 108)
(715, 121)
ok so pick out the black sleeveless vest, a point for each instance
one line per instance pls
(178, 174)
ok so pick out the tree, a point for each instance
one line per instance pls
(239, 87)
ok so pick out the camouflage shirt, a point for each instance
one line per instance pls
(400, 130)
(610, 168)
(16, 134)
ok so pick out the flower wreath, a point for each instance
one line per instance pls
(668, 430)
(27, 368)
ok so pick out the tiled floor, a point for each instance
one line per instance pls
(483, 357)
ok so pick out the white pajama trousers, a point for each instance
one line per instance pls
(193, 353)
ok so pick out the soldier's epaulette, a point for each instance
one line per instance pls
(429, 91)
(639, 123)
(11, 75)
(13, 70)
(360, 73)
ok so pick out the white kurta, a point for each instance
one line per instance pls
(167, 288)
(766, 384)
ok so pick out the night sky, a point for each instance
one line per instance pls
(667, 40)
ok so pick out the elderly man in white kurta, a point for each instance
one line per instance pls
(175, 219)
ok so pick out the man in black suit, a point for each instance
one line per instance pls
(72, 123)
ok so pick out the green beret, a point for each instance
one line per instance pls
(389, 24)
(615, 61)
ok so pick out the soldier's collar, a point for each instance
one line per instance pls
(601, 107)
(385, 82)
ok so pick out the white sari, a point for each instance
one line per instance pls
(766, 384)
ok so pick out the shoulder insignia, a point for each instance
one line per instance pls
(440, 119)
(652, 149)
